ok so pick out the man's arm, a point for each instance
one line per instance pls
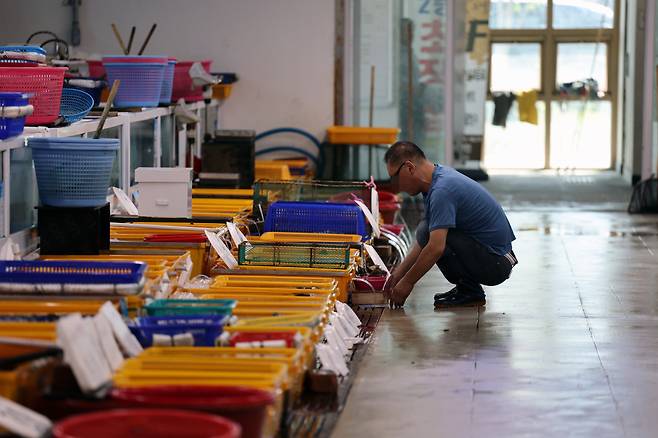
(400, 270)
(425, 260)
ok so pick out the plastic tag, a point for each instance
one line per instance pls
(374, 204)
(347, 312)
(371, 219)
(222, 250)
(337, 357)
(340, 331)
(325, 358)
(346, 325)
(81, 349)
(23, 421)
(334, 340)
(377, 260)
(127, 340)
(236, 234)
(108, 343)
(124, 202)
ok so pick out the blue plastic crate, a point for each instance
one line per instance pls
(73, 172)
(24, 49)
(12, 127)
(316, 217)
(71, 272)
(204, 329)
(190, 307)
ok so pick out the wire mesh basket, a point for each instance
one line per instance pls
(75, 104)
(302, 255)
(268, 191)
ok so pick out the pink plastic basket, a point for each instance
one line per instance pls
(43, 83)
(183, 82)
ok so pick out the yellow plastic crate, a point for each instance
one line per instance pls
(272, 170)
(343, 277)
(219, 193)
(361, 135)
(277, 236)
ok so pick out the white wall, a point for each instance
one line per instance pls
(283, 50)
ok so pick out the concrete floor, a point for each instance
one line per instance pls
(568, 346)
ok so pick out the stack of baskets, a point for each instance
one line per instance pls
(22, 71)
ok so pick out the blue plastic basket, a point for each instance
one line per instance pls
(167, 82)
(204, 329)
(11, 127)
(75, 104)
(316, 217)
(73, 172)
(190, 307)
(21, 62)
(95, 88)
(141, 82)
(71, 272)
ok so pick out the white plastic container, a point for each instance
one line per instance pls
(164, 191)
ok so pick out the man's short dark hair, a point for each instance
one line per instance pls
(402, 151)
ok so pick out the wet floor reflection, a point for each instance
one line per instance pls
(567, 346)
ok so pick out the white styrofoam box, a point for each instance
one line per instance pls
(164, 191)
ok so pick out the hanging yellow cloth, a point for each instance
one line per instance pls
(527, 106)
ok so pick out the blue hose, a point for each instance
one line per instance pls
(317, 161)
(301, 132)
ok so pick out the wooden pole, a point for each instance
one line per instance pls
(372, 94)
(410, 82)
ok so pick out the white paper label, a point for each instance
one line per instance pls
(108, 343)
(347, 311)
(124, 202)
(23, 421)
(371, 219)
(126, 339)
(236, 234)
(222, 250)
(82, 350)
(372, 252)
(374, 204)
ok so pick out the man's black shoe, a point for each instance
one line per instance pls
(460, 300)
(443, 295)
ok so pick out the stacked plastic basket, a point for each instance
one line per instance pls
(141, 79)
(22, 71)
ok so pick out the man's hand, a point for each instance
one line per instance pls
(391, 281)
(399, 294)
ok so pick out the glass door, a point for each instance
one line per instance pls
(553, 75)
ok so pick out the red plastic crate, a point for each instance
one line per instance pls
(183, 82)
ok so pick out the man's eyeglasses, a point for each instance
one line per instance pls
(396, 176)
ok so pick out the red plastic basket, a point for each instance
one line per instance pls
(96, 69)
(245, 406)
(146, 423)
(183, 82)
(376, 281)
(43, 83)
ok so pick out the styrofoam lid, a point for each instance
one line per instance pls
(163, 174)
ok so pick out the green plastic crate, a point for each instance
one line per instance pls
(190, 307)
(300, 255)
